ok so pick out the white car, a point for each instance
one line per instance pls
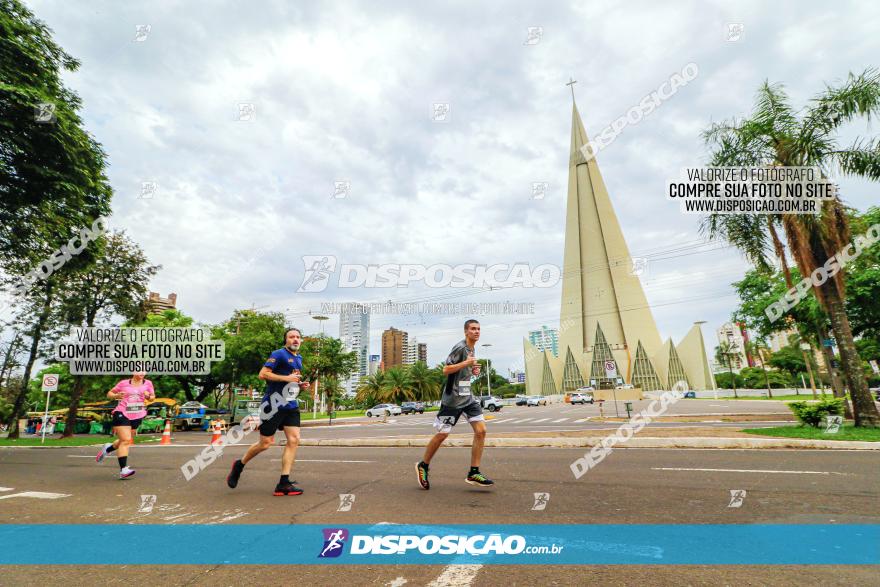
(581, 398)
(384, 410)
(536, 400)
(624, 386)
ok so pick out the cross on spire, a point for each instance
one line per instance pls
(571, 83)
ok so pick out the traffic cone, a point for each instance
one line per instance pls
(166, 435)
(215, 438)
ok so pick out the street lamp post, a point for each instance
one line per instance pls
(320, 319)
(488, 370)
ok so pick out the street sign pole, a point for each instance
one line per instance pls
(50, 384)
(46, 417)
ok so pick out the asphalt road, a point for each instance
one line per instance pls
(630, 486)
(552, 418)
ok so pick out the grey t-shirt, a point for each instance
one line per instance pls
(456, 391)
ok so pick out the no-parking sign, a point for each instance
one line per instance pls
(610, 369)
(50, 382)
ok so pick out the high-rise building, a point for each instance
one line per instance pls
(546, 339)
(375, 364)
(394, 347)
(735, 336)
(354, 332)
(607, 333)
(415, 351)
(156, 304)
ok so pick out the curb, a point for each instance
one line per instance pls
(719, 443)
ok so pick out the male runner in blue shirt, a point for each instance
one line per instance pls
(279, 409)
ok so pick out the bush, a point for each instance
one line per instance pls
(812, 414)
(724, 382)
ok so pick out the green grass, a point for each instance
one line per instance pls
(82, 440)
(847, 432)
(347, 414)
(808, 396)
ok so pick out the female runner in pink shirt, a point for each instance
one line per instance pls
(133, 395)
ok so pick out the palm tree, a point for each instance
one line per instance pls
(757, 348)
(333, 389)
(777, 135)
(424, 381)
(398, 387)
(724, 354)
(370, 389)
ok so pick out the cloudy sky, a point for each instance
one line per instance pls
(344, 91)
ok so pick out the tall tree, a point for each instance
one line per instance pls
(776, 135)
(51, 169)
(115, 283)
(724, 354)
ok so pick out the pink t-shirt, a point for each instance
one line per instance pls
(133, 404)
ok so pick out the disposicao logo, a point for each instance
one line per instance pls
(334, 541)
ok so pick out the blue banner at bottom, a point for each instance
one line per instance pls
(559, 544)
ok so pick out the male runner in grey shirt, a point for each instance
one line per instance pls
(455, 401)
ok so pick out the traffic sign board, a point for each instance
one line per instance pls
(610, 369)
(50, 382)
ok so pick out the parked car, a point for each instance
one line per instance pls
(384, 410)
(582, 398)
(412, 408)
(521, 400)
(536, 400)
(243, 408)
(690, 394)
(490, 402)
(190, 416)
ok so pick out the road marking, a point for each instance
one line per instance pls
(521, 421)
(560, 420)
(749, 471)
(500, 421)
(80, 457)
(581, 420)
(456, 576)
(324, 461)
(541, 420)
(36, 495)
(227, 518)
(6, 488)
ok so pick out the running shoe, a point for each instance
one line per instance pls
(126, 472)
(234, 474)
(422, 475)
(103, 454)
(479, 479)
(287, 489)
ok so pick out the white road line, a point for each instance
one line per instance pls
(749, 471)
(541, 420)
(36, 495)
(581, 420)
(456, 576)
(80, 457)
(560, 420)
(501, 421)
(227, 518)
(521, 421)
(324, 461)
(6, 488)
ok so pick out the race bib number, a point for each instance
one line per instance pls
(464, 387)
(134, 408)
(290, 392)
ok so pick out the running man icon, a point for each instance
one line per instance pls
(334, 539)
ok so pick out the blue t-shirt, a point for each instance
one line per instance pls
(282, 362)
